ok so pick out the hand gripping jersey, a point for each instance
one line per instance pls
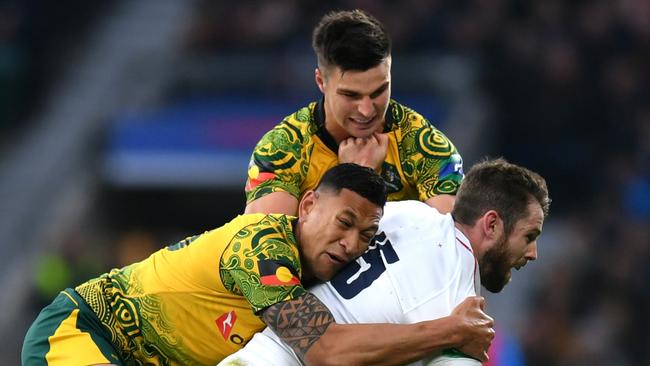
(420, 163)
(418, 268)
(197, 301)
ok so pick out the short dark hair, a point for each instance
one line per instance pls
(351, 40)
(501, 186)
(359, 179)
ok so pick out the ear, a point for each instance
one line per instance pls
(320, 79)
(307, 204)
(492, 225)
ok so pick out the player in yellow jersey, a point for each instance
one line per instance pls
(199, 300)
(355, 121)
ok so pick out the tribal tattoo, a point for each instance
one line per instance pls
(299, 322)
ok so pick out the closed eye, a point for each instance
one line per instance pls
(379, 91)
(345, 223)
(366, 237)
(532, 237)
(350, 95)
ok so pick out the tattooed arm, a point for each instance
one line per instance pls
(308, 327)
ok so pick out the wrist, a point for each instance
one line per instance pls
(447, 331)
(455, 331)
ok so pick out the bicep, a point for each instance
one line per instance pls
(299, 322)
(275, 202)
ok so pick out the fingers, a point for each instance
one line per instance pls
(381, 138)
(471, 302)
(366, 151)
(477, 327)
(477, 301)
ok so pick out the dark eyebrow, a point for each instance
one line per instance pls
(351, 215)
(535, 232)
(348, 212)
(380, 89)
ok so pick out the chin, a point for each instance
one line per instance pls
(324, 276)
(361, 133)
(495, 285)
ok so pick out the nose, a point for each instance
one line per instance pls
(351, 244)
(531, 254)
(366, 107)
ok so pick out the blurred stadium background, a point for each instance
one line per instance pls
(127, 125)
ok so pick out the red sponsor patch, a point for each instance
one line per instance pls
(225, 323)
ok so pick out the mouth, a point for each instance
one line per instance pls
(362, 122)
(336, 258)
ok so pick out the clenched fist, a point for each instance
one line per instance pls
(369, 151)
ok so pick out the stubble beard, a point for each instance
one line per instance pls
(494, 267)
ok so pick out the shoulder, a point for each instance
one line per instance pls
(409, 215)
(268, 223)
(270, 236)
(258, 227)
(418, 135)
(294, 128)
(399, 116)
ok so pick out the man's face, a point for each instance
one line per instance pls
(334, 230)
(513, 251)
(355, 101)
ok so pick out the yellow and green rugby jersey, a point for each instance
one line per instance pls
(199, 300)
(420, 163)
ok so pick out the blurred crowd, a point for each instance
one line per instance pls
(37, 37)
(568, 96)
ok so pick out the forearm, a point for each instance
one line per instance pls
(306, 325)
(382, 344)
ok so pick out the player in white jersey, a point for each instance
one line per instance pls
(418, 257)
(422, 264)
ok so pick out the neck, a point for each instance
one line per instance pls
(337, 133)
(307, 275)
(335, 130)
(471, 234)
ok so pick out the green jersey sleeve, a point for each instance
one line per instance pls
(436, 165)
(262, 264)
(279, 161)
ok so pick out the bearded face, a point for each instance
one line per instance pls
(495, 266)
(512, 251)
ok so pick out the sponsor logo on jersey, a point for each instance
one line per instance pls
(273, 273)
(225, 323)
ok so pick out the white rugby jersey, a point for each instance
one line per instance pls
(419, 267)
